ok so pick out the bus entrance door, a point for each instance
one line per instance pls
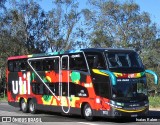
(64, 84)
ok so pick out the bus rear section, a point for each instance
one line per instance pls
(88, 82)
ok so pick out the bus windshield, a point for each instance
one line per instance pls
(130, 89)
(123, 60)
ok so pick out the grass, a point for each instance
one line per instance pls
(154, 102)
(3, 99)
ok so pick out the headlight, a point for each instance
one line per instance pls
(116, 104)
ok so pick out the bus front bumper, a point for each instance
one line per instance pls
(119, 112)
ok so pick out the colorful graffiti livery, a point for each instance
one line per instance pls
(87, 82)
(22, 86)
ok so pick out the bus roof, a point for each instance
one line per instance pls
(71, 51)
(107, 50)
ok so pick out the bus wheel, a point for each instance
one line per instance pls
(87, 112)
(32, 106)
(24, 106)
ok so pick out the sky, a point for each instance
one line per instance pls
(150, 6)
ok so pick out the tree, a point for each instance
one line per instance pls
(21, 31)
(151, 60)
(27, 26)
(121, 24)
(62, 25)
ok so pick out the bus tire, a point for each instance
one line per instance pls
(32, 107)
(24, 106)
(87, 112)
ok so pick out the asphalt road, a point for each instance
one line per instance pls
(9, 113)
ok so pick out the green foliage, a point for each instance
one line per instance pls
(62, 25)
(151, 60)
(154, 102)
(3, 99)
(121, 24)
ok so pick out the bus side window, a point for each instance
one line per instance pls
(90, 60)
(48, 64)
(45, 90)
(38, 88)
(37, 65)
(112, 60)
(55, 88)
(64, 89)
(78, 90)
(95, 60)
(56, 64)
(10, 66)
(24, 65)
(35, 88)
(77, 62)
(65, 63)
(16, 66)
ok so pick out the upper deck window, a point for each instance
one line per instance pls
(77, 62)
(95, 60)
(125, 60)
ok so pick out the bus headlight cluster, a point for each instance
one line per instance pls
(116, 104)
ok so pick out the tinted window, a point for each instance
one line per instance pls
(55, 88)
(24, 65)
(95, 60)
(41, 89)
(10, 66)
(48, 64)
(37, 65)
(18, 65)
(77, 62)
(51, 64)
(131, 59)
(75, 90)
(65, 63)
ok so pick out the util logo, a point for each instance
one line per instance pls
(22, 85)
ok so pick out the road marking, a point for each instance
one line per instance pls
(86, 123)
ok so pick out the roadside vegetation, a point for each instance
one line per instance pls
(154, 102)
(2, 99)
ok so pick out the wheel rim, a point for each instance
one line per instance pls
(31, 107)
(23, 105)
(88, 112)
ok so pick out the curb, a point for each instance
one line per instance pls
(154, 109)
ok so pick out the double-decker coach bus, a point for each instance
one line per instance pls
(88, 82)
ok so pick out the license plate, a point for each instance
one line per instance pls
(134, 115)
(105, 112)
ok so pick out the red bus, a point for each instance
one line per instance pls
(89, 82)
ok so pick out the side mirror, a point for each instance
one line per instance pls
(154, 74)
